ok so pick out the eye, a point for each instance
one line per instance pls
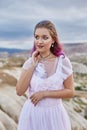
(45, 37)
(36, 37)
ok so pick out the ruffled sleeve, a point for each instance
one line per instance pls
(66, 68)
(26, 64)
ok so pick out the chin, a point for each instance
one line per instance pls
(40, 50)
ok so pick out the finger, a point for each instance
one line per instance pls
(36, 53)
(32, 96)
(32, 99)
(35, 102)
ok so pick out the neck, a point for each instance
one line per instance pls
(44, 57)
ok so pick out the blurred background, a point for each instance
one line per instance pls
(17, 21)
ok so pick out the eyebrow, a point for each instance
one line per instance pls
(42, 35)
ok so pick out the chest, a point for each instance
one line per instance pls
(50, 67)
(47, 78)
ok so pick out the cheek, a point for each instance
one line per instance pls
(35, 42)
(48, 45)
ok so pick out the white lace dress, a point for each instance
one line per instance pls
(49, 113)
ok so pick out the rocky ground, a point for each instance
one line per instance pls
(11, 104)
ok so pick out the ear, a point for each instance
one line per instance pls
(52, 45)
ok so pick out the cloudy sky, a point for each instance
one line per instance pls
(18, 18)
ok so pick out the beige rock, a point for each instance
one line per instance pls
(15, 72)
(7, 79)
(7, 122)
(85, 112)
(9, 106)
(79, 68)
(78, 122)
(2, 127)
(11, 92)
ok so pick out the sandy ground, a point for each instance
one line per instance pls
(14, 72)
(81, 93)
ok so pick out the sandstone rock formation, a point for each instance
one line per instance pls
(78, 122)
(11, 104)
(79, 68)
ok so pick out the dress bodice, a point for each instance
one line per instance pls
(40, 81)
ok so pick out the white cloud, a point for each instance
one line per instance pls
(22, 44)
(18, 18)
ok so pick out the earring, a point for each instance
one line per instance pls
(52, 45)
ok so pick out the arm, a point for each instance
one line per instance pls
(67, 92)
(24, 80)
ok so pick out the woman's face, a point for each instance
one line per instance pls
(42, 39)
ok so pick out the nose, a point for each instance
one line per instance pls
(40, 41)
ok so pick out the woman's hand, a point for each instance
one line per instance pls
(35, 58)
(36, 97)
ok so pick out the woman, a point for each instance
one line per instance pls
(48, 76)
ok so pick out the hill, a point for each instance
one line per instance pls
(11, 50)
(75, 48)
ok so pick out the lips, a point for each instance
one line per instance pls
(40, 46)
